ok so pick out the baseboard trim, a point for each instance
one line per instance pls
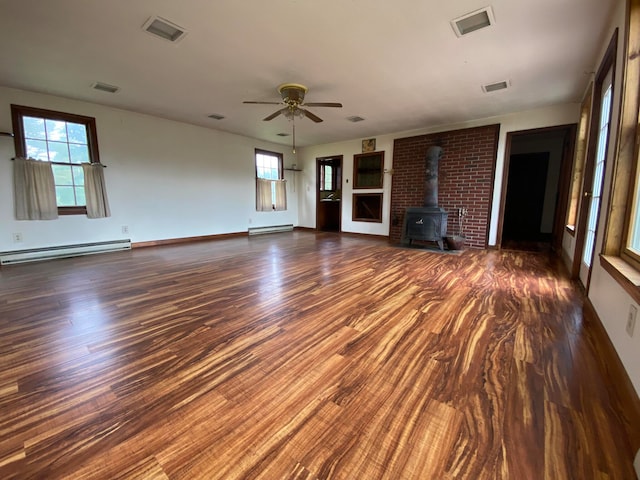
(611, 367)
(175, 241)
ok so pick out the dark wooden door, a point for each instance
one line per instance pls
(525, 196)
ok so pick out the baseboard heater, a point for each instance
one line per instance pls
(271, 229)
(62, 251)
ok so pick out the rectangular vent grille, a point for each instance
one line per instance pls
(494, 87)
(164, 29)
(473, 21)
(355, 119)
(105, 87)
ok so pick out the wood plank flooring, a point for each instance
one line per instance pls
(303, 356)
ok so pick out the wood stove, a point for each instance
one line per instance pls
(429, 222)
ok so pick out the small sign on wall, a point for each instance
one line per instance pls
(369, 145)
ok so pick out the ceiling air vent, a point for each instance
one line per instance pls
(494, 87)
(105, 87)
(473, 21)
(282, 134)
(355, 119)
(164, 29)
(216, 116)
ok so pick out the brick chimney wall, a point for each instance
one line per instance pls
(466, 174)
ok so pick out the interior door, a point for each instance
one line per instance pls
(525, 197)
(593, 192)
(329, 194)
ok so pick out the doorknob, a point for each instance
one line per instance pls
(587, 194)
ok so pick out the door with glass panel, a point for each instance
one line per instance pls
(593, 191)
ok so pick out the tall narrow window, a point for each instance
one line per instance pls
(598, 175)
(270, 191)
(66, 141)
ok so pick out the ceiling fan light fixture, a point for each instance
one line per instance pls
(473, 21)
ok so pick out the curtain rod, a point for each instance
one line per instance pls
(63, 163)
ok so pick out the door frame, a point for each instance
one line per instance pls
(318, 162)
(564, 180)
(608, 63)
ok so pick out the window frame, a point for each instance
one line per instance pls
(614, 259)
(273, 154)
(20, 111)
(579, 161)
(280, 157)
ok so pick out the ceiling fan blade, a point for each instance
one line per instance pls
(310, 115)
(262, 103)
(273, 115)
(323, 104)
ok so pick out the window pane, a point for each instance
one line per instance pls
(78, 176)
(33, 127)
(65, 196)
(56, 130)
(79, 153)
(59, 152)
(62, 175)
(37, 149)
(77, 133)
(80, 198)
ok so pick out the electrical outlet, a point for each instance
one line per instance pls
(125, 229)
(631, 319)
(17, 237)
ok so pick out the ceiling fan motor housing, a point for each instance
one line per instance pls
(292, 93)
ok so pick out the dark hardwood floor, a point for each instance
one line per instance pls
(304, 356)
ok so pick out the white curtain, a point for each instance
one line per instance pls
(263, 195)
(95, 191)
(34, 190)
(267, 191)
(281, 195)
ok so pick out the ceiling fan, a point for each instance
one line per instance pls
(293, 99)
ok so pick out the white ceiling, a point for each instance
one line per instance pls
(396, 63)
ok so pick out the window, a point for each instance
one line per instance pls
(598, 176)
(327, 178)
(620, 256)
(65, 140)
(579, 160)
(270, 185)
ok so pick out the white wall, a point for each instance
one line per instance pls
(609, 299)
(538, 118)
(165, 179)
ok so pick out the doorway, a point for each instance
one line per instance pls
(595, 163)
(535, 188)
(329, 194)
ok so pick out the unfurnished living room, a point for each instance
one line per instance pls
(319, 240)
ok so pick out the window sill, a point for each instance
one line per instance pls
(623, 273)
